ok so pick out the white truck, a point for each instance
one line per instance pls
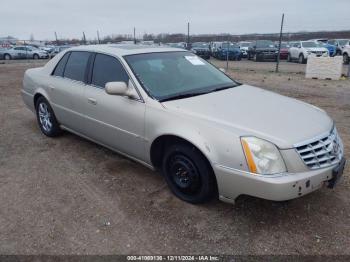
(301, 50)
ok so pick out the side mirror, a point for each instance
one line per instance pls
(121, 89)
(222, 70)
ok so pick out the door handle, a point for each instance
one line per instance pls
(92, 101)
(51, 87)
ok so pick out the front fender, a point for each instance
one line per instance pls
(218, 145)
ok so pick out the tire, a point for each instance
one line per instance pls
(188, 173)
(35, 56)
(46, 118)
(7, 57)
(346, 58)
(301, 59)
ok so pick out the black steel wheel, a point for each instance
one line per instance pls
(188, 174)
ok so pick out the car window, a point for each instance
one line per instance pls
(76, 65)
(107, 69)
(61, 65)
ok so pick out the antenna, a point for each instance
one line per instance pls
(98, 37)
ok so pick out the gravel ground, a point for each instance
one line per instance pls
(70, 196)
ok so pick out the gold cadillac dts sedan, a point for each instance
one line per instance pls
(171, 110)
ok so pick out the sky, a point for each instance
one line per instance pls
(69, 18)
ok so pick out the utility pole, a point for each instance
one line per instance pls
(188, 35)
(56, 38)
(227, 54)
(279, 45)
(84, 38)
(98, 37)
(134, 35)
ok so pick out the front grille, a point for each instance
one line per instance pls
(318, 52)
(322, 152)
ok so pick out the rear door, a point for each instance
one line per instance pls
(115, 121)
(67, 89)
(20, 52)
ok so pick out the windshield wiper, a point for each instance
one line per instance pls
(180, 96)
(222, 88)
(186, 95)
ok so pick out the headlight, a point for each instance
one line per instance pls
(262, 156)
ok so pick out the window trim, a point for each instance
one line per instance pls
(64, 67)
(91, 68)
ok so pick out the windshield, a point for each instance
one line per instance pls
(310, 44)
(343, 42)
(264, 44)
(170, 75)
(230, 46)
(285, 45)
(200, 45)
(244, 44)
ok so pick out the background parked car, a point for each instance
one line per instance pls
(244, 48)
(340, 44)
(228, 50)
(58, 49)
(9, 53)
(25, 52)
(201, 49)
(346, 54)
(332, 49)
(2, 53)
(301, 50)
(182, 45)
(262, 50)
(284, 50)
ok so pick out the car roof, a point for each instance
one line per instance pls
(125, 49)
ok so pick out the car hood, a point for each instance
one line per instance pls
(247, 110)
(266, 49)
(316, 49)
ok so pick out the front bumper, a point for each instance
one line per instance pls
(43, 56)
(267, 56)
(233, 183)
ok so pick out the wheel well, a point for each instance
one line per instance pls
(36, 97)
(161, 143)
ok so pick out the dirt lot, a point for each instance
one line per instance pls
(70, 196)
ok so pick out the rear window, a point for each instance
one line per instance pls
(76, 66)
(60, 66)
(107, 69)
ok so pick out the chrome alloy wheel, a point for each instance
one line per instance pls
(45, 117)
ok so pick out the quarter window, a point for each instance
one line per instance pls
(107, 69)
(60, 66)
(76, 66)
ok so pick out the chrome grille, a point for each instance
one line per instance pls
(322, 152)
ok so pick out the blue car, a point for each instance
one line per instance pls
(228, 50)
(332, 49)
